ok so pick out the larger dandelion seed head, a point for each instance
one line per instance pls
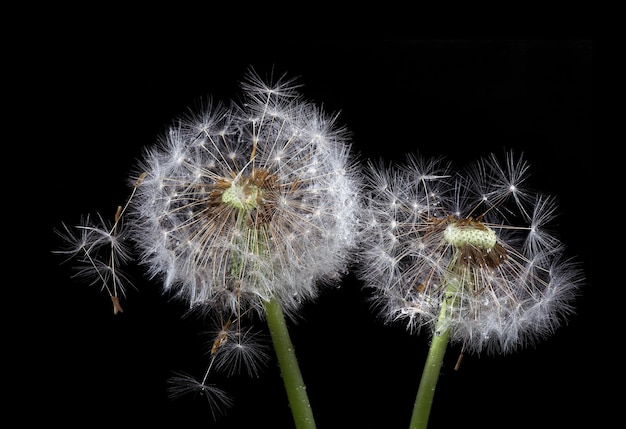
(470, 253)
(248, 202)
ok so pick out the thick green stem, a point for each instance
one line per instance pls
(289, 368)
(430, 375)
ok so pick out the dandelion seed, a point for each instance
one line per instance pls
(99, 249)
(117, 307)
(220, 339)
(245, 350)
(182, 384)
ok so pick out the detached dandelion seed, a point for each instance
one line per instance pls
(182, 384)
(240, 351)
(100, 249)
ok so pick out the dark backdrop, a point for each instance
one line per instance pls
(94, 103)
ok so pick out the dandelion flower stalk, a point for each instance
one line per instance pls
(289, 368)
(430, 376)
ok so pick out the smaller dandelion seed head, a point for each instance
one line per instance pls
(478, 247)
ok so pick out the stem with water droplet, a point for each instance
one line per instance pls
(430, 375)
(437, 350)
(289, 368)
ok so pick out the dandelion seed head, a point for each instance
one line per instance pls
(250, 201)
(479, 244)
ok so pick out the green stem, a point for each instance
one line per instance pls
(290, 371)
(430, 375)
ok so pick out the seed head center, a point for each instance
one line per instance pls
(470, 233)
(243, 197)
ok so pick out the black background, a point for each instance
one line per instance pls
(92, 104)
